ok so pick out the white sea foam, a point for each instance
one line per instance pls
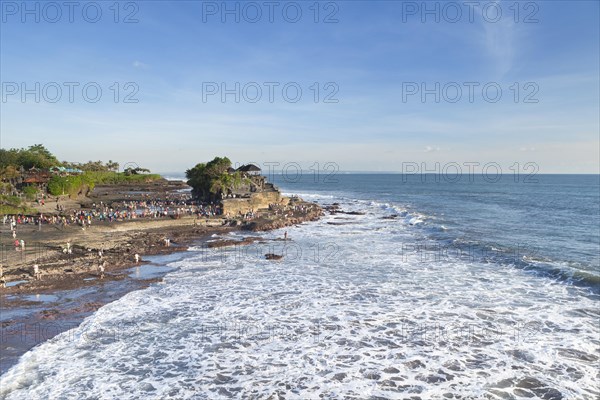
(352, 311)
(310, 196)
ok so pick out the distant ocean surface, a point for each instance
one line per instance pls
(552, 225)
(431, 290)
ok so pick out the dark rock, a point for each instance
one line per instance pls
(230, 242)
(523, 393)
(340, 376)
(539, 389)
(577, 355)
(548, 393)
(432, 378)
(414, 364)
(372, 375)
(271, 256)
(505, 383)
(529, 383)
(222, 379)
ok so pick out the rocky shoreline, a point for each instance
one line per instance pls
(119, 242)
(77, 278)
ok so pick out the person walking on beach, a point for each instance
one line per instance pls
(2, 280)
(36, 272)
(22, 245)
(102, 267)
(137, 258)
(285, 235)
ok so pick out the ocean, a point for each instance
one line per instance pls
(427, 289)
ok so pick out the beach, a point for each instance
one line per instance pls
(72, 286)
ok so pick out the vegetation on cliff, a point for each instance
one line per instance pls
(12, 205)
(36, 156)
(59, 178)
(78, 184)
(209, 181)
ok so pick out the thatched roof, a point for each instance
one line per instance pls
(36, 179)
(249, 168)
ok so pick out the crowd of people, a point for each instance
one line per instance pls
(117, 211)
(172, 206)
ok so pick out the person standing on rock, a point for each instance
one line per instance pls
(102, 267)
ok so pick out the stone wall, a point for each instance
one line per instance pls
(255, 202)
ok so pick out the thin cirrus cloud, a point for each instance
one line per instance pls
(139, 64)
(369, 53)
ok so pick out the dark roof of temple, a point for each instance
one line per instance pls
(248, 168)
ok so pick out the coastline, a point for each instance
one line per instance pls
(71, 287)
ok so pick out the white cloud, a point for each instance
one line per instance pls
(139, 64)
(499, 36)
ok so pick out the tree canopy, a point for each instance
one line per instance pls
(14, 164)
(211, 180)
(37, 156)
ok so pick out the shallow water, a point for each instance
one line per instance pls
(148, 271)
(44, 298)
(15, 283)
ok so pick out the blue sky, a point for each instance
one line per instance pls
(372, 55)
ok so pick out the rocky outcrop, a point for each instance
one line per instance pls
(229, 242)
(254, 202)
(263, 224)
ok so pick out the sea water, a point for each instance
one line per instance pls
(429, 290)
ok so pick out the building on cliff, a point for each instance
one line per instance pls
(253, 194)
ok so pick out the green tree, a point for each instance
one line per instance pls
(112, 166)
(30, 192)
(9, 172)
(36, 156)
(95, 166)
(136, 171)
(209, 181)
(9, 158)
